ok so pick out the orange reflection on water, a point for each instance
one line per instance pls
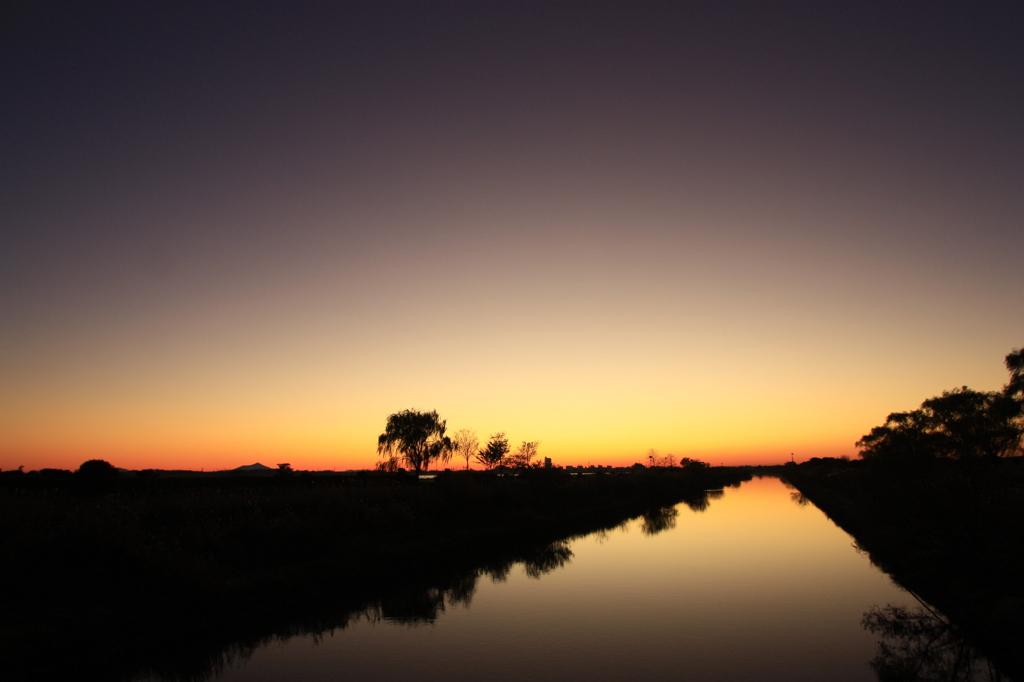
(755, 587)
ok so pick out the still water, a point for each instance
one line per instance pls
(754, 587)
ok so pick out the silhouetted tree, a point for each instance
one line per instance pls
(389, 465)
(466, 444)
(97, 469)
(904, 436)
(655, 459)
(1015, 366)
(523, 457)
(416, 438)
(960, 424)
(494, 453)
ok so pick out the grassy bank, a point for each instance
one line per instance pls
(953, 532)
(103, 576)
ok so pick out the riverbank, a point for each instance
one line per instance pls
(951, 532)
(110, 576)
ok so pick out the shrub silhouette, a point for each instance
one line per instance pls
(97, 470)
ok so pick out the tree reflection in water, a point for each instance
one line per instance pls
(415, 607)
(921, 645)
(700, 502)
(799, 498)
(658, 520)
(547, 559)
(408, 606)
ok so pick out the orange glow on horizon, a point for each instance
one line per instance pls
(732, 258)
(607, 422)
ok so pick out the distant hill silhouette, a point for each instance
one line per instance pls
(253, 467)
(247, 470)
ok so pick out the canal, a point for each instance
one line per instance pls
(751, 585)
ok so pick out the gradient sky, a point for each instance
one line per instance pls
(238, 232)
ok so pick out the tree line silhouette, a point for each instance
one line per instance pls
(936, 498)
(419, 441)
(961, 424)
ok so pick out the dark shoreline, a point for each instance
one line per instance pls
(136, 575)
(951, 533)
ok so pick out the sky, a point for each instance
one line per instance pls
(239, 232)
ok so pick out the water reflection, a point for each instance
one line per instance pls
(410, 606)
(419, 607)
(921, 644)
(917, 644)
(555, 555)
(799, 498)
(658, 520)
(756, 574)
(700, 503)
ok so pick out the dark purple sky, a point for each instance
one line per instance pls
(802, 181)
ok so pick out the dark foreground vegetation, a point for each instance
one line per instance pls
(951, 533)
(923, 644)
(938, 502)
(111, 576)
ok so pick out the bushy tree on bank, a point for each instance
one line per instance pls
(960, 424)
(414, 438)
(494, 452)
(97, 470)
(523, 457)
